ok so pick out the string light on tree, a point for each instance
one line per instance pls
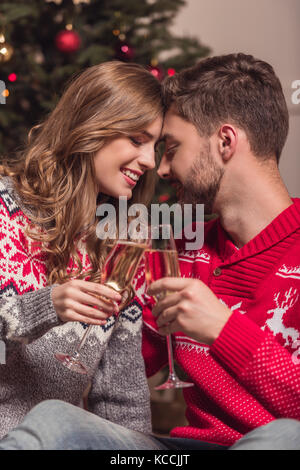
(78, 2)
(171, 72)
(5, 93)
(164, 197)
(59, 18)
(39, 57)
(6, 50)
(12, 77)
(156, 70)
(120, 27)
(124, 52)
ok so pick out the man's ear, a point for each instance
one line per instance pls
(228, 138)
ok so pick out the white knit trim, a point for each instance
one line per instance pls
(289, 272)
(195, 347)
(72, 332)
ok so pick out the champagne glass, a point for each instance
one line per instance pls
(162, 261)
(118, 273)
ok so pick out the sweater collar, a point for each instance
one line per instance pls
(287, 222)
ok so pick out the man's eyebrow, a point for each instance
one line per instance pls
(167, 136)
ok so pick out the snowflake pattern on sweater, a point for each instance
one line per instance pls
(33, 334)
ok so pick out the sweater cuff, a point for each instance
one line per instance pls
(39, 312)
(237, 343)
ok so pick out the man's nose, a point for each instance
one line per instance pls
(164, 168)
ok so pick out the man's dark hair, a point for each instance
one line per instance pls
(235, 88)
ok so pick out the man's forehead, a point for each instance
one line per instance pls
(175, 126)
(172, 122)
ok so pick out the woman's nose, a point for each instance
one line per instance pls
(147, 159)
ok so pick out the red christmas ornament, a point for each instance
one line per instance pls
(67, 41)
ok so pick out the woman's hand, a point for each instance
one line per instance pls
(85, 301)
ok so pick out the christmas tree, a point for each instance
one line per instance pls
(44, 42)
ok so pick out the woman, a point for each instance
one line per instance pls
(97, 145)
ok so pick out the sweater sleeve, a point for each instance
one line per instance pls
(27, 317)
(265, 368)
(26, 307)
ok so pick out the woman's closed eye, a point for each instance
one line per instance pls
(136, 140)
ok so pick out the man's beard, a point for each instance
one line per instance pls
(202, 182)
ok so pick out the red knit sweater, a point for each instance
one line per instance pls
(250, 375)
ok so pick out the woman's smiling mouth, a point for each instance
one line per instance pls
(131, 176)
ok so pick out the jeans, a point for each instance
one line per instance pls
(56, 425)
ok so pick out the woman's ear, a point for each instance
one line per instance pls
(227, 141)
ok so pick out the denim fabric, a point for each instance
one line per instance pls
(56, 425)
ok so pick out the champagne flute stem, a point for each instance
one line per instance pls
(82, 342)
(170, 356)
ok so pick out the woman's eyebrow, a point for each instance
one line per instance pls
(147, 134)
(151, 137)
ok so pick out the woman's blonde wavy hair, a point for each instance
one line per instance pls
(54, 175)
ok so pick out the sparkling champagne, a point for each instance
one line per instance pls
(161, 263)
(120, 268)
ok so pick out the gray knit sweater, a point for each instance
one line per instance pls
(33, 333)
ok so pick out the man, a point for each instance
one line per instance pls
(225, 127)
(235, 313)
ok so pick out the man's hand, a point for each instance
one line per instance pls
(190, 306)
